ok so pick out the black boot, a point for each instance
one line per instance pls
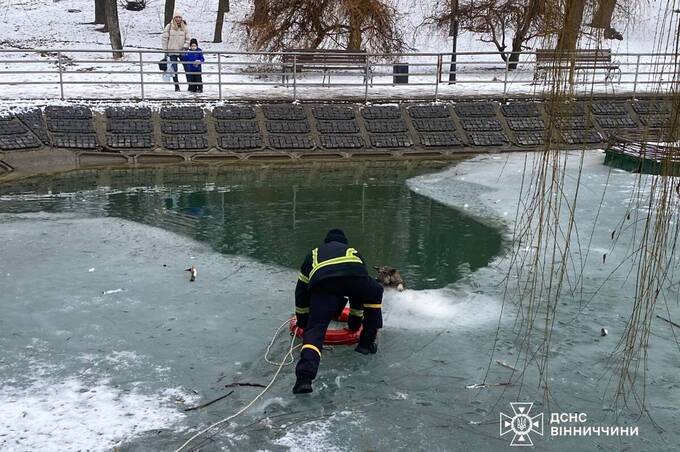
(302, 386)
(365, 350)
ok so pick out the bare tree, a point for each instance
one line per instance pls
(222, 8)
(260, 12)
(100, 12)
(508, 24)
(350, 24)
(603, 14)
(169, 10)
(571, 25)
(114, 28)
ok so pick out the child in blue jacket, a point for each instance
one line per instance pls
(192, 66)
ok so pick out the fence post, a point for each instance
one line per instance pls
(505, 79)
(438, 75)
(366, 79)
(61, 76)
(637, 69)
(141, 73)
(219, 76)
(294, 77)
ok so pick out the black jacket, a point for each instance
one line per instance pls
(335, 258)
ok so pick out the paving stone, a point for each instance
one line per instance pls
(70, 125)
(18, 142)
(481, 124)
(33, 119)
(128, 112)
(77, 112)
(234, 112)
(185, 142)
(385, 126)
(284, 112)
(531, 138)
(440, 139)
(526, 123)
(428, 111)
(608, 108)
(283, 126)
(581, 136)
(332, 112)
(487, 138)
(182, 113)
(12, 127)
(657, 107)
(656, 121)
(129, 141)
(129, 126)
(390, 140)
(239, 142)
(75, 140)
(434, 125)
(237, 126)
(520, 109)
(568, 109)
(575, 122)
(616, 122)
(183, 126)
(333, 126)
(475, 109)
(290, 141)
(343, 141)
(381, 112)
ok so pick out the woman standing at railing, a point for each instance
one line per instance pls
(175, 40)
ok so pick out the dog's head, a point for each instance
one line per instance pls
(389, 277)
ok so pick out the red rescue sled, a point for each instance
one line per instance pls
(334, 336)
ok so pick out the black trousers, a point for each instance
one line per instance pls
(195, 81)
(327, 300)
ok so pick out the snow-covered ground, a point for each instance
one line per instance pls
(66, 24)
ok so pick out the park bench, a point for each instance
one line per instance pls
(581, 61)
(327, 61)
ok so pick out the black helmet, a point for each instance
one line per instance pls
(336, 235)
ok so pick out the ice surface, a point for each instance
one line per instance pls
(160, 338)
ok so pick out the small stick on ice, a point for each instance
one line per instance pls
(209, 403)
(506, 365)
(669, 321)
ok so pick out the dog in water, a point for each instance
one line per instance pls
(389, 277)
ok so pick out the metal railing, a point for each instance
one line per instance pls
(94, 74)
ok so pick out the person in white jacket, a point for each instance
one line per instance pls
(175, 40)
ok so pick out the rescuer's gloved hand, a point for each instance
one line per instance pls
(302, 320)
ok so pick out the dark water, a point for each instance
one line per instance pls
(276, 214)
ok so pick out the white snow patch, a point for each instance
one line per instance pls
(437, 309)
(72, 415)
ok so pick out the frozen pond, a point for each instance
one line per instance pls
(104, 342)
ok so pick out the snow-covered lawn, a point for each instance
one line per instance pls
(86, 64)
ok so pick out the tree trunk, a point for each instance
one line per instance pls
(100, 11)
(603, 14)
(260, 13)
(354, 31)
(222, 7)
(453, 32)
(169, 10)
(114, 28)
(530, 14)
(568, 36)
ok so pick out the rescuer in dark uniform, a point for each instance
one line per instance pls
(330, 273)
